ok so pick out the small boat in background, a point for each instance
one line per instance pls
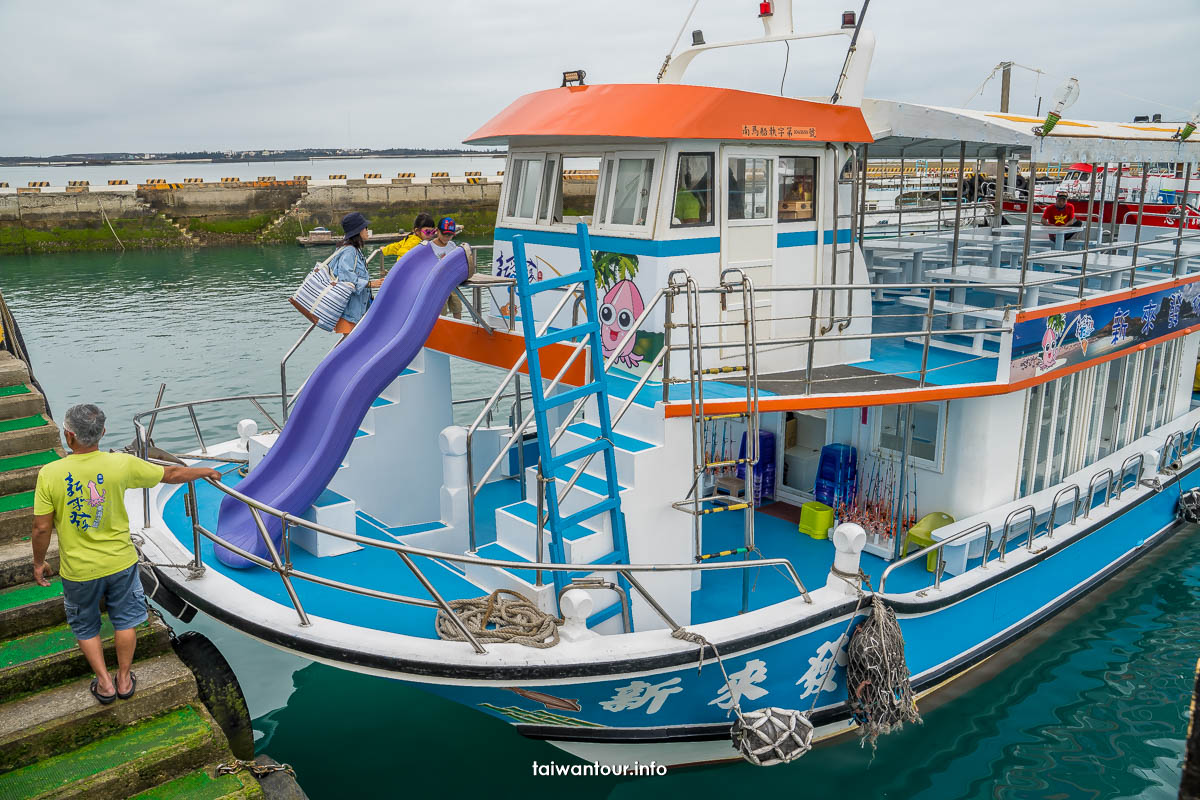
(320, 236)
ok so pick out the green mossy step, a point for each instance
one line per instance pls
(67, 717)
(18, 473)
(26, 437)
(16, 502)
(12, 371)
(132, 760)
(205, 784)
(16, 562)
(49, 657)
(38, 458)
(27, 607)
(9, 391)
(23, 423)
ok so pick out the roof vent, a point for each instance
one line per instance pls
(1141, 118)
(1156, 118)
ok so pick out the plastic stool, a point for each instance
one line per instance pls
(815, 519)
(921, 535)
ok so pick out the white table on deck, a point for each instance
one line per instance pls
(1059, 232)
(974, 273)
(1188, 248)
(998, 243)
(914, 248)
(1096, 262)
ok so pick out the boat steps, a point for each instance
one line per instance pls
(588, 491)
(516, 530)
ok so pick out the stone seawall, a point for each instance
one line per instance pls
(47, 210)
(198, 214)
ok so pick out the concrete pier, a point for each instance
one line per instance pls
(55, 739)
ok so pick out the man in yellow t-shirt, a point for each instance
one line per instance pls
(83, 497)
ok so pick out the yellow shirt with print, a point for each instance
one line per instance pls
(86, 493)
(398, 249)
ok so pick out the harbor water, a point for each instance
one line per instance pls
(1094, 708)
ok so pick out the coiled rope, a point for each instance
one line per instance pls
(516, 621)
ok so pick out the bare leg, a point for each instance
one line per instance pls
(126, 643)
(93, 651)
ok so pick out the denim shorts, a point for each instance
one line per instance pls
(121, 593)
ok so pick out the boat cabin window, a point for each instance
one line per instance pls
(529, 182)
(797, 189)
(693, 190)
(1075, 420)
(551, 188)
(625, 190)
(928, 432)
(749, 188)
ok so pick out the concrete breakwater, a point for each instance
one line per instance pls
(194, 213)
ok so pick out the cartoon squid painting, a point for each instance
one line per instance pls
(621, 307)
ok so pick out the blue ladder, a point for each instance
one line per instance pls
(550, 464)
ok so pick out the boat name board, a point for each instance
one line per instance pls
(1095, 333)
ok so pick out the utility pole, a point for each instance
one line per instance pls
(1005, 84)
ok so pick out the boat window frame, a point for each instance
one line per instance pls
(714, 194)
(938, 464)
(606, 186)
(771, 156)
(818, 173)
(517, 182)
(548, 206)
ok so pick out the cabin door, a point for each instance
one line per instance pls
(747, 234)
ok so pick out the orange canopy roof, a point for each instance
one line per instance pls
(671, 111)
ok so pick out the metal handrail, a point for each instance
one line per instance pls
(936, 546)
(286, 571)
(1008, 520)
(1171, 449)
(1052, 521)
(1091, 494)
(1140, 458)
(474, 487)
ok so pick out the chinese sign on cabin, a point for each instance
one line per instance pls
(1049, 343)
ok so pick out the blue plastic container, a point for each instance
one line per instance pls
(837, 474)
(764, 470)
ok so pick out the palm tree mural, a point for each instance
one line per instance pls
(612, 268)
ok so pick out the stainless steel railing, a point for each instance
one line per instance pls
(282, 566)
(1051, 522)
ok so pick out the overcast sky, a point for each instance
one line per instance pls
(170, 76)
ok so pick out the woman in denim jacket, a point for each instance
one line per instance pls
(350, 266)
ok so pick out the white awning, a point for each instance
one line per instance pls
(918, 131)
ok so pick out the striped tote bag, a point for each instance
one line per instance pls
(321, 298)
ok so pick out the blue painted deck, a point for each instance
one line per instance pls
(719, 596)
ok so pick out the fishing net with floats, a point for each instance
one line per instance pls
(880, 695)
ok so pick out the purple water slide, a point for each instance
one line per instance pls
(330, 408)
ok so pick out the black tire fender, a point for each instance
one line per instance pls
(219, 690)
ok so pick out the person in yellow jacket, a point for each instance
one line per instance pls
(422, 231)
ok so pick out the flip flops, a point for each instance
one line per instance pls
(132, 687)
(103, 699)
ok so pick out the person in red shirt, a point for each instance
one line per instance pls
(1061, 214)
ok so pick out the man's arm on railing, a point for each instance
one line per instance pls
(176, 474)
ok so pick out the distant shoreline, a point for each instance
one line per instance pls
(120, 159)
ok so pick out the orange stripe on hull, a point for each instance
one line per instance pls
(502, 349)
